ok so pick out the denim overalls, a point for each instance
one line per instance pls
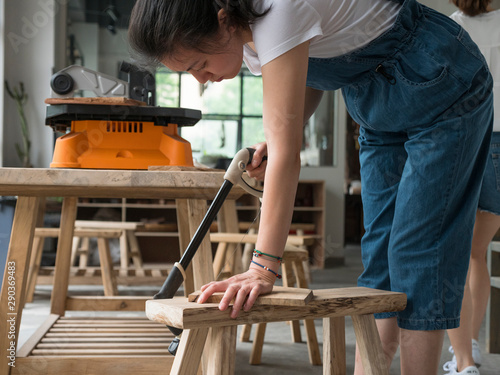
(422, 95)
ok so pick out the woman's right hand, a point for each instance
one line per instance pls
(257, 169)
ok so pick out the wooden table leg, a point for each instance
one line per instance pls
(15, 278)
(184, 239)
(334, 360)
(63, 257)
(369, 344)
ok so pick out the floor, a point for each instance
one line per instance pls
(280, 355)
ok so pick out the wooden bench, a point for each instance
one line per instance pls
(332, 305)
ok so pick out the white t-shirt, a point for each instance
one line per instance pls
(484, 29)
(334, 27)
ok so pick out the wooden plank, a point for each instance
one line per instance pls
(54, 182)
(109, 365)
(334, 354)
(15, 277)
(96, 100)
(63, 257)
(121, 225)
(99, 303)
(369, 345)
(111, 340)
(98, 352)
(107, 334)
(104, 233)
(252, 238)
(281, 296)
(178, 312)
(105, 345)
(33, 340)
(108, 330)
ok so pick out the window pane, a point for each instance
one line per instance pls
(167, 89)
(252, 95)
(212, 98)
(211, 140)
(253, 131)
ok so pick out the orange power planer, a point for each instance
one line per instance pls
(113, 131)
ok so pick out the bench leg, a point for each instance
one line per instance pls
(222, 351)
(188, 356)
(258, 343)
(334, 361)
(369, 345)
(108, 277)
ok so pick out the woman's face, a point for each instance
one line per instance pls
(223, 64)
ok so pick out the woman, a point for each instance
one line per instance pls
(481, 22)
(420, 90)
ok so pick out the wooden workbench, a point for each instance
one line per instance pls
(191, 190)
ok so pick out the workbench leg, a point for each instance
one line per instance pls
(35, 261)
(334, 360)
(63, 257)
(15, 278)
(184, 239)
(187, 358)
(222, 350)
(369, 345)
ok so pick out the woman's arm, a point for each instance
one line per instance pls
(284, 85)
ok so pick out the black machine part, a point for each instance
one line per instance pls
(175, 279)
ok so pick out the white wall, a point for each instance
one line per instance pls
(29, 57)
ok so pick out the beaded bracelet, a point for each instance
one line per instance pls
(275, 258)
(267, 269)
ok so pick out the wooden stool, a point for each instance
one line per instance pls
(129, 247)
(293, 275)
(102, 235)
(282, 304)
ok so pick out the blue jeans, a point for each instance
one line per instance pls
(422, 95)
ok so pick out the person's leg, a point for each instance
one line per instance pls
(418, 351)
(389, 335)
(486, 226)
(460, 337)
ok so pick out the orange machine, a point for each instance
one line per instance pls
(120, 136)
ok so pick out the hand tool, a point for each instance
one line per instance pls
(233, 176)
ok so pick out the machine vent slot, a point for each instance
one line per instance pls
(124, 127)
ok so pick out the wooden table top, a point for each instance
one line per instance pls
(104, 183)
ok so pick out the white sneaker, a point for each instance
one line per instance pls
(471, 370)
(476, 354)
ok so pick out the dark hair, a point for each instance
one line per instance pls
(472, 7)
(159, 27)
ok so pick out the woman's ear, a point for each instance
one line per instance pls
(222, 16)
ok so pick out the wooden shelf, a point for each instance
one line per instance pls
(308, 216)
